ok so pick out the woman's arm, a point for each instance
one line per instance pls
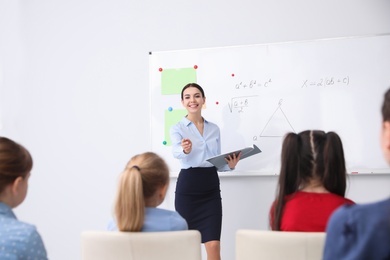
(176, 139)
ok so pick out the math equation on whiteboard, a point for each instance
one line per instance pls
(326, 82)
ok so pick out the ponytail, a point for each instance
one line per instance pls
(130, 203)
(334, 177)
(305, 156)
(143, 176)
(288, 178)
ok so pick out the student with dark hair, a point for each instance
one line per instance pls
(198, 194)
(142, 187)
(19, 240)
(363, 231)
(312, 182)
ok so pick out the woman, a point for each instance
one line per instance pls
(198, 195)
(19, 240)
(312, 182)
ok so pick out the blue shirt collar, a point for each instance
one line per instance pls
(187, 122)
(6, 210)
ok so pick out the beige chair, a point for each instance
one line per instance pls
(277, 245)
(172, 245)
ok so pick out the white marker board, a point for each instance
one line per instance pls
(258, 93)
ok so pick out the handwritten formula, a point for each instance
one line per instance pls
(326, 82)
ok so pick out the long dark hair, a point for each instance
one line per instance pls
(308, 155)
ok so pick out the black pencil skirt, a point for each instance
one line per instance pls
(198, 200)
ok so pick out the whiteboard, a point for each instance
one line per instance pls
(258, 93)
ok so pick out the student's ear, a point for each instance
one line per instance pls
(386, 135)
(385, 140)
(163, 192)
(16, 185)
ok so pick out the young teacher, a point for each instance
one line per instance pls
(198, 194)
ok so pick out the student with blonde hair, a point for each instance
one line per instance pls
(19, 240)
(142, 187)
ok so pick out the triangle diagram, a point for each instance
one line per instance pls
(278, 124)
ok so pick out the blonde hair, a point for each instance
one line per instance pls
(141, 178)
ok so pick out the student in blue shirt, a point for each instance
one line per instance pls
(362, 231)
(198, 195)
(142, 187)
(18, 240)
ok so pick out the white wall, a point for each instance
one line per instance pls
(74, 91)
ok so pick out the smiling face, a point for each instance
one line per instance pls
(193, 100)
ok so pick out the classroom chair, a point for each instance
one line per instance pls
(110, 245)
(276, 245)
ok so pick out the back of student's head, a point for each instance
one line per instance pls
(313, 155)
(15, 161)
(386, 106)
(310, 155)
(143, 176)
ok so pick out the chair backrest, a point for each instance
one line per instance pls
(110, 245)
(263, 244)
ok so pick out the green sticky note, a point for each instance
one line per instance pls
(173, 80)
(172, 118)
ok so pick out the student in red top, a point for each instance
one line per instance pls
(312, 182)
